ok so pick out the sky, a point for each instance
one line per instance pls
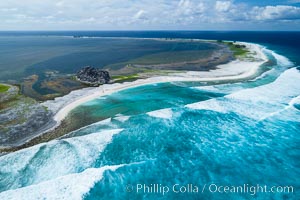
(277, 15)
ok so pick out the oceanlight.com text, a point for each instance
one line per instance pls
(249, 189)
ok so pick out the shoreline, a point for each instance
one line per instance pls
(225, 72)
(242, 68)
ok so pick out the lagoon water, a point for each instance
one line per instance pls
(198, 134)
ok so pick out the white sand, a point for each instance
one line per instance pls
(235, 70)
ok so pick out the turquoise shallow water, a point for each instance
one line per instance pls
(190, 134)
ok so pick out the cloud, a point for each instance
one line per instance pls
(188, 12)
(142, 14)
(9, 9)
(276, 13)
(60, 3)
(184, 3)
(222, 6)
(91, 19)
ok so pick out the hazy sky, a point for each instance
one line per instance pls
(150, 15)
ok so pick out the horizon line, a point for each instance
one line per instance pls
(158, 30)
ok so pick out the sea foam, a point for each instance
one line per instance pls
(210, 88)
(259, 102)
(64, 156)
(281, 60)
(163, 113)
(121, 118)
(212, 104)
(71, 186)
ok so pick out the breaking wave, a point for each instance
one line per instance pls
(53, 159)
(163, 113)
(71, 186)
(259, 102)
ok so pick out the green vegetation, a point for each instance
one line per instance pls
(3, 88)
(146, 72)
(125, 76)
(122, 78)
(237, 49)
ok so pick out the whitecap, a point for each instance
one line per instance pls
(212, 104)
(295, 101)
(281, 60)
(17, 160)
(71, 186)
(209, 88)
(53, 159)
(283, 89)
(163, 113)
(121, 118)
(103, 122)
(260, 102)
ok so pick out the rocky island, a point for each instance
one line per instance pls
(93, 76)
(54, 93)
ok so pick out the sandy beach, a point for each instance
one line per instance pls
(235, 70)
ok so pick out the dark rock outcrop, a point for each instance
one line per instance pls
(93, 76)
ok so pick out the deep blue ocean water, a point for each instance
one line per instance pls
(196, 135)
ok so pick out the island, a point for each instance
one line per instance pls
(46, 97)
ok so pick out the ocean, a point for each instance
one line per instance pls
(175, 140)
